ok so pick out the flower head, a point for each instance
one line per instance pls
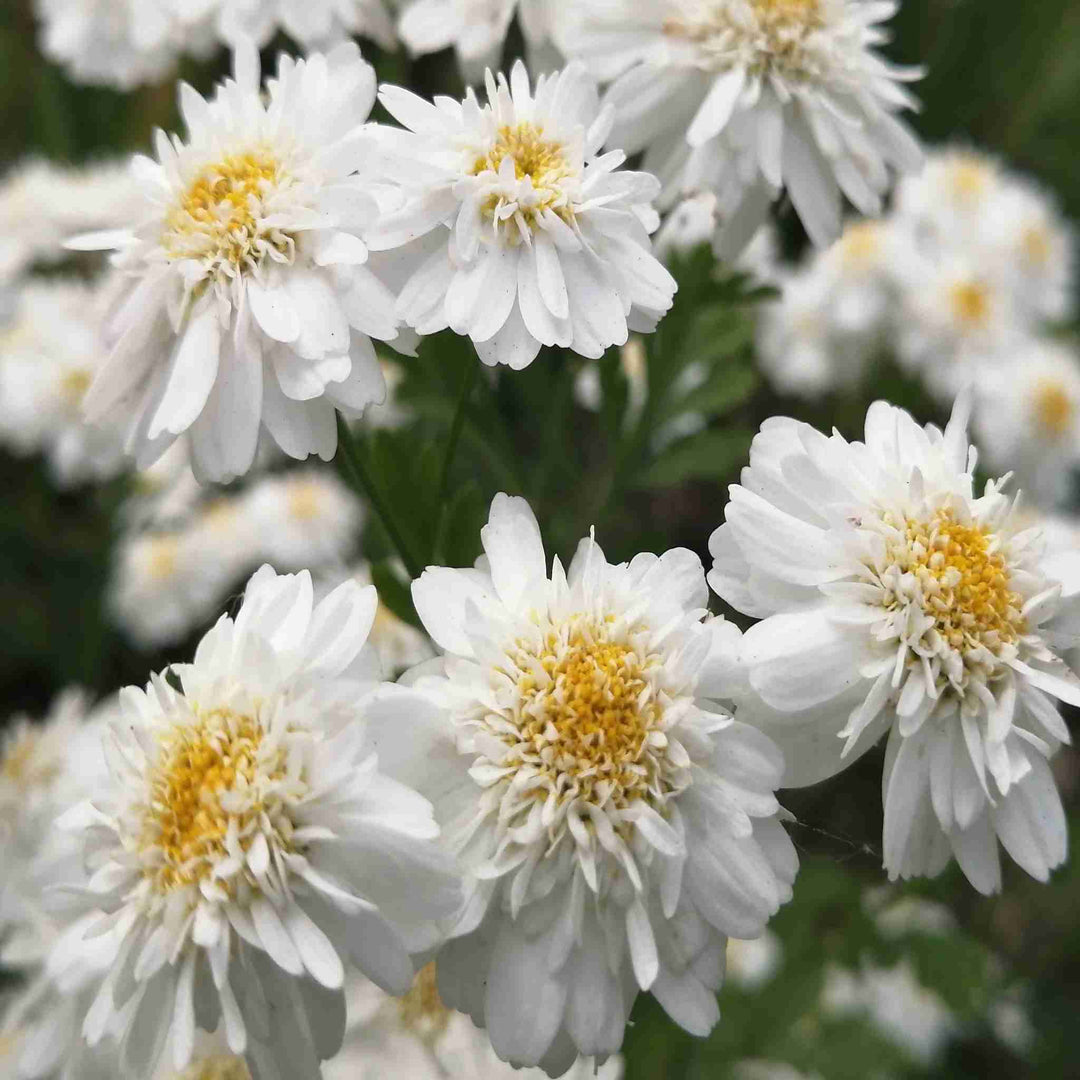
(248, 301)
(747, 97)
(548, 242)
(311, 23)
(896, 599)
(251, 840)
(615, 821)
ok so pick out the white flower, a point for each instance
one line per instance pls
(42, 204)
(897, 600)
(475, 28)
(252, 832)
(303, 519)
(614, 821)
(417, 1036)
(399, 645)
(1027, 416)
(525, 235)
(49, 356)
(308, 22)
(752, 964)
(896, 1003)
(122, 43)
(746, 97)
(248, 302)
(756, 1069)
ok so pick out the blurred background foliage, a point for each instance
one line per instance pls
(648, 474)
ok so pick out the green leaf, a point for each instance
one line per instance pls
(708, 454)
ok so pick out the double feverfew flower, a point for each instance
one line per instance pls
(896, 600)
(747, 97)
(253, 837)
(614, 821)
(519, 232)
(248, 299)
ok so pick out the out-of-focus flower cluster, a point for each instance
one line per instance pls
(967, 281)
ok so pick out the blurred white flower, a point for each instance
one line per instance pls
(310, 23)
(42, 204)
(751, 963)
(896, 1003)
(475, 28)
(896, 600)
(908, 915)
(769, 1070)
(518, 233)
(1027, 417)
(123, 43)
(248, 303)
(418, 1037)
(615, 822)
(304, 519)
(749, 97)
(49, 356)
(252, 836)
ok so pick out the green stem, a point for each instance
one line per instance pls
(355, 466)
(471, 368)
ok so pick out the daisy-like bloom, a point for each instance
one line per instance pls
(49, 356)
(122, 43)
(248, 301)
(475, 28)
(748, 97)
(1027, 416)
(519, 232)
(895, 599)
(253, 836)
(310, 23)
(419, 1037)
(303, 519)
(614, 821)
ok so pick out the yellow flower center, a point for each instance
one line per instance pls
(74, 385)
(219, 218)
(1035, 245)
(541, 159)
(19, 765)
(969, 177)
(775, 30)
(964, 580)
(1053, 407)
(218, 1068)
(592, 722)
(421, 1009)
(860, 243)
(970, 302)
(186, 822)
(163, 556)
(304, 500)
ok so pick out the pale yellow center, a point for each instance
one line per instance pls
(217, 217)
(1035, 245)
(591, 722)
(777, 29)
(19, 764)
(163, 557)
(969, 177)
(304, 500)
(1053, 407)
(860, 243)
(965, 581)
(421, 1009)
(970, 302)
(185, 821)
(217, 1068)
(74, 385)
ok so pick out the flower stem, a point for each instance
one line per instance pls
(456, 425)
(355, 468)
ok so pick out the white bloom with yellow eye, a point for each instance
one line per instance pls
(515, 230)
(894, 599)
(253, 837)
(49, 356)
(750, 97)
(1027, 416)
(248, 303)
(310, 23)
(419, 1037)
(615, 822)
(306, 518)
